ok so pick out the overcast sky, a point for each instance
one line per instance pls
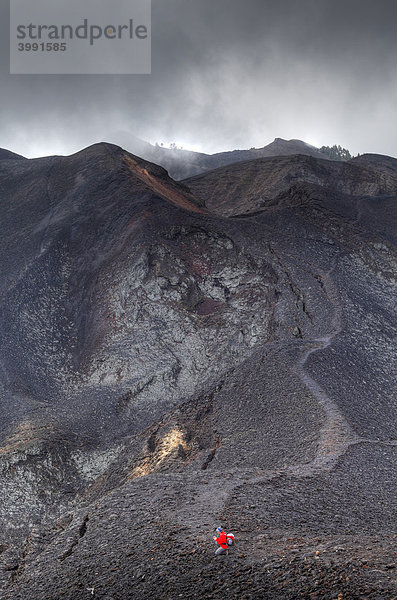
(225, 74)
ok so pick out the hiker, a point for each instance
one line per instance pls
(221, 539)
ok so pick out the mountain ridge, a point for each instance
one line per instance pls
(266, 179)
(8, 155)
(185, 163)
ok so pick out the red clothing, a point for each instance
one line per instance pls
(222, 540)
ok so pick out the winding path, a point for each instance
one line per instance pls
(336, 434)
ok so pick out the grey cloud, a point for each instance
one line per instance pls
(226, 74)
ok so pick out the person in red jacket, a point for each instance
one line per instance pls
(221, 539)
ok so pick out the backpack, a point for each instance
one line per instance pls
(230, 539)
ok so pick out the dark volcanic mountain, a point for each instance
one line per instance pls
(176, 357)
(181, 164)
(7, 155)
(245, 188)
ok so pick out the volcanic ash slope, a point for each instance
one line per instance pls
(178, 356)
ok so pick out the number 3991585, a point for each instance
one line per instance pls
(42, 47)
